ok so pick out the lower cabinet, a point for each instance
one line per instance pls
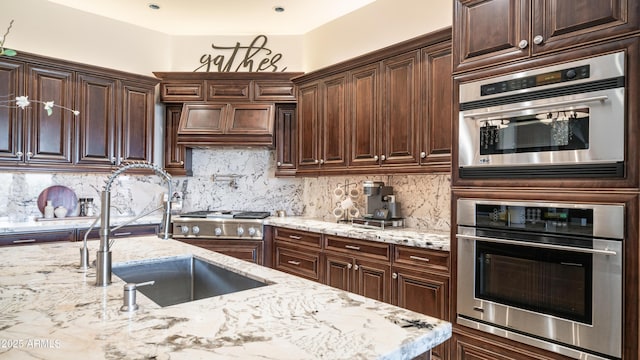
(359, 275)
(123, 232)
(298, 253)
(472, 347)
(248, 250)
(30, 238)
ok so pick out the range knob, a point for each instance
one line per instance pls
(240, 231)
(217, 231)
(184, 229)
(570, 74)
(252, 231)
(195, 229)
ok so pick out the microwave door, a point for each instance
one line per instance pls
(569, 130)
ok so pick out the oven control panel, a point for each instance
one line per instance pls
(554, 77)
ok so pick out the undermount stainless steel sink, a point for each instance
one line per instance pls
(183, 279)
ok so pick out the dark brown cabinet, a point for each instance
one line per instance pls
(114, 124)
(248, 250)
(361, 267)
(491, 32)
(175, 156)
(298, 252)
(387, 112)
(286, 140)
(437, 107)
(322, 124)
(421, 284)
(30, 238)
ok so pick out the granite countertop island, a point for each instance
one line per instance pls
(51, 309)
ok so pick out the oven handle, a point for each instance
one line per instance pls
(559, 103)
(538, 245)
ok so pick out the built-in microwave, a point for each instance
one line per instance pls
(565, 120)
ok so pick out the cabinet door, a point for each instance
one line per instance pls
(49, 137)
(364, 107)
(138, 101)
(424, 293)
(96, 129)
(308, 125)
(333, 122)
(373, 279)
(487, 32)
(174, 154)
(252, 120)
(400, 109)
(438, 105)
(286, 140)
(11, 126)
(560, 24)
(338, 271)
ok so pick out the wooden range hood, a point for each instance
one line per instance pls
(226, 108)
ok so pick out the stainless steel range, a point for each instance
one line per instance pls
(242, 225)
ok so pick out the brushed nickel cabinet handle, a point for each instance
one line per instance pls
(538, 39)
(122, 234)
(23, 241)
(419, 258)
(523, 44)
(352, 247)
(296, 263)
(295, 237)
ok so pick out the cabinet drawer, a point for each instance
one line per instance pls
(424, 258)
(358, 247)
(180, 92)
(299, 237)
(125, 231)
(274, 91)
(303, 262)
(37, 237)
(228, 90)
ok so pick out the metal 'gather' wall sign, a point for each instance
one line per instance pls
(255, 57)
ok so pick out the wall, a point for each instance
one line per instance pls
(375, 26)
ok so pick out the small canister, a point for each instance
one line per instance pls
(83, 206)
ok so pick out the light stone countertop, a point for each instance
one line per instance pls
(402, 236)
(51, 309)
(7, 226)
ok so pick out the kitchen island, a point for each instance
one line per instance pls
(51, 309)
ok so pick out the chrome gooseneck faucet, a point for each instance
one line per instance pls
(103, 260)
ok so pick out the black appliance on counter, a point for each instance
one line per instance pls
(219, 224)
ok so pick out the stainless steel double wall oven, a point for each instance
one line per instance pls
(541, 273)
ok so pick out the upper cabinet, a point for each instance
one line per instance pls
(225, 108)
(491, 32)
(114, 124)
(386, 112)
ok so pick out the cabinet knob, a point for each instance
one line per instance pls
(423, 155)
(538, 39)
(321, 161)
(349, 266)
(316, 161)
(279, 163)
(181, 162)
(29, 155)
(19, 154)
(356, 267)
(523, 44)
(394, 276)
(113, 160)
(383, 158)
(376, 158)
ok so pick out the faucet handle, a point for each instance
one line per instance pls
(130, 295)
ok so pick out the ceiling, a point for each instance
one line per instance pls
(221, 17)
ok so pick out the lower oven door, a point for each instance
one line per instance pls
(567, 300)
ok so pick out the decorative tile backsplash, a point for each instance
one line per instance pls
(233, 179)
